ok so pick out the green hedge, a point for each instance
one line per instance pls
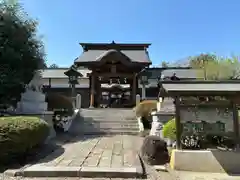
(169, 130)
(19, 135)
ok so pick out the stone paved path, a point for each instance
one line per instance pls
(112, 151)
(90, 151)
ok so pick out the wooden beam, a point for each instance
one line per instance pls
(129, 75)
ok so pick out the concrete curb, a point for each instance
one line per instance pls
(99, 172)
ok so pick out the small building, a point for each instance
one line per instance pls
(113, 71)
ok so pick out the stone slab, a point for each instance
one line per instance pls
(213, 161)
(106, 172)
(91, 172)
(51, 171)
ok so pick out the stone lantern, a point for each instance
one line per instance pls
(73, 75)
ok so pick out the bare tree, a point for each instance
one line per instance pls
(53, 66)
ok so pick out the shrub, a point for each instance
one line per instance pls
(59, 101)
(19, 135)
(169, 130)
(144, 108)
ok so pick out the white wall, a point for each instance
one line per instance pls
(84, 83)
(63, 82)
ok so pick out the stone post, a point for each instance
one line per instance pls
(78, 101)
(159, 104)
(73, 96)
(138, 99)
(143, 91)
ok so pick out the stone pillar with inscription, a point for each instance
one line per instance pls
(138, 99)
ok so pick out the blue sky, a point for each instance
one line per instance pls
(175, 28)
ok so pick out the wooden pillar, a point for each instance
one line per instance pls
(134, 89)
(235, 124)
(98, 92)
(49, 82)
(92, 90)
(73, 95)
(178, 123)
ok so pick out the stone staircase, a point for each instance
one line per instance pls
(168, 106)
(105, 121)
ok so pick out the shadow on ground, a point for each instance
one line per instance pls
(228, 160)
(34, 156)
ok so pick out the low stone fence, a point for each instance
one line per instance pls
(214, 161)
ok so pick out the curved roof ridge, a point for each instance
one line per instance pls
(108, 52)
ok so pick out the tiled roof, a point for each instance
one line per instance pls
(59, 73)
(181, 73)
(184, 73)
(140, 56)
(201, 87)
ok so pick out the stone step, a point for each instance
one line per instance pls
(84, 172)
(108, 132)
(105, 120)
(110, 125)
(108, 117)
(108, 112)
(119, 129)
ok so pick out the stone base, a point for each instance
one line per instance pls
(215, 161)
(48, 116)
(88, 172)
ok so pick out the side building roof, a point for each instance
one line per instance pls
(59, 72)
(181, 72)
